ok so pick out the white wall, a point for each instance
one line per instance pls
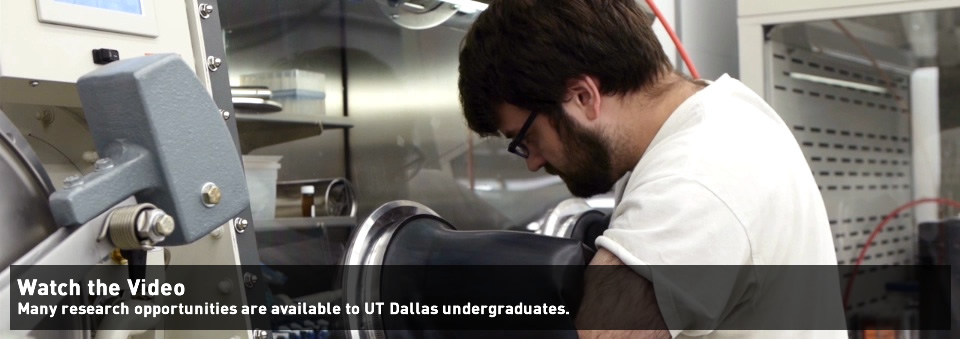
(668, 8)
(708, 30)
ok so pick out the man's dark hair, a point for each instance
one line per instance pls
(523, 52)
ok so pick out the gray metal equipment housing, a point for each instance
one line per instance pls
(161, 138)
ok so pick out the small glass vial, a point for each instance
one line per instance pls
(307, 207)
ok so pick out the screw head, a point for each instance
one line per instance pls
(165, 225)
(217, 233)
(225, 286)
(214, 63)
(210, 194)
(240, 224)
(90, 156)
(102, 164)
(225, 114)
(73, 181)
(45, 116)
(34, 83)
(206, 10)
(249, 279)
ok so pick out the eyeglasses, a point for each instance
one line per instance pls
(517, 146)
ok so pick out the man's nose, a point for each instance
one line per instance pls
(535, 162)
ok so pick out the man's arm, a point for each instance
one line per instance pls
(617, 298)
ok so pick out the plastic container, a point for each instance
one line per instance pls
(261, 172)
(299, 91)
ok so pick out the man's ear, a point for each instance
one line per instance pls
(582, 98)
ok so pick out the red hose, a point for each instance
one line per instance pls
(866, 246)
(676, 40)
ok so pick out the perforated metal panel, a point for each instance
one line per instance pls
(857, 144)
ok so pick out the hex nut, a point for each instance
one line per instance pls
(211, 194)
(165, 225)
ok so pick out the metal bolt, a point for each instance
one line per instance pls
(225, 286)
(213, 63)
(259, 334)
(249, 279)
(217, 233)
(102, 164)
(153, 225)
(90, 156)
(73, 181)
(164, 225)
(211, 194)
(206, 10)
(240, 224)
(225, 114)
(34, 83)
(45, 116)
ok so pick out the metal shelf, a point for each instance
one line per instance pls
(262, 130)
(328, 122)
(287, 224)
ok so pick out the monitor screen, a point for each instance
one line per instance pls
(126, 6)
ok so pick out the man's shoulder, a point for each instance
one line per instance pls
(729, 135)
(670, 188)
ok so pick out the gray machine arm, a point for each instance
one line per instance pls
(161, 139)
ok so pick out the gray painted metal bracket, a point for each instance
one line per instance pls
(165, 138)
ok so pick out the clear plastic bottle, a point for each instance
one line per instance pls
(307, 207)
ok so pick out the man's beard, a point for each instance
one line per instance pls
(589, 168)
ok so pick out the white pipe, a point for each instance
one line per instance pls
(925, 113)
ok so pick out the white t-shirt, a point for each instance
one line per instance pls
(723, 182)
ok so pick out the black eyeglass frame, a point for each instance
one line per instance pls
(516, 145)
